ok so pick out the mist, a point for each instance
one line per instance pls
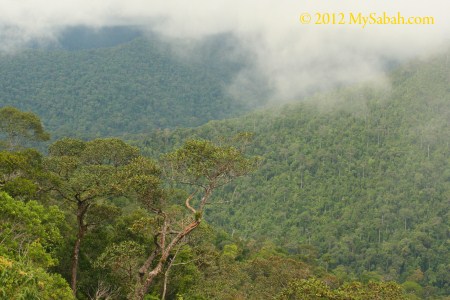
(286, 59)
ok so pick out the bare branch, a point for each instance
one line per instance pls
(188, 199)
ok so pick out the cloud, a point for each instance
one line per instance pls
(290, 57)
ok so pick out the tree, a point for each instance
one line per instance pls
(20, 280)
(29, 232)
(122, 260)
(20, 169)
(203, 167)
(28, 229)
(313, 288)
(21, 173)
(17, 127)
(87, 174)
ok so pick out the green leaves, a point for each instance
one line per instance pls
(99, 168)
(100, 213)
(19, 280)
(130, 88)
(18, 127)
(29, 234)
(314, 289)
(23, 224)
(88, 174)
(109, 151)
(123, 260)
(202, 163)
(21, 172)
(67, 147)
(141, 179)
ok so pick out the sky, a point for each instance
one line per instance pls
(292, 57)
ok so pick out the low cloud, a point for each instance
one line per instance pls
(289, 58)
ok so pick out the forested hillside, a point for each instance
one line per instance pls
(131, 87)
(358, 178)
(116, 225)
(331, 197)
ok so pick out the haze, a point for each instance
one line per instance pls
(291, 58)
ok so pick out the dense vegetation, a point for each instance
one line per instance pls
(132, 87)
(117, 225)
(357, 178)
(351, 191)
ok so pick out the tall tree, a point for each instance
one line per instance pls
(17, 128)
(203, 167)
(87, 174)
(29, 234)
(21, 173)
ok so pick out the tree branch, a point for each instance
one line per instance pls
(188, 199)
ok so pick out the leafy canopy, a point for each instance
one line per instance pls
(202, 163)
(17, 127)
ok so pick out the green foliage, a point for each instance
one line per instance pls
(17, 128)
(67, 147)
(356, 177)
(202, 163)
(109, 151)
(142, 181)
(20, 187)
(29, 229)
(29, 235)
(306, 289)
(230, 251)
(372, 290)
(21, 173)
(358, 188)
(19, 280)
(254, 278)
(95, 169)
(122, 261)
(102, 212)
(87, 175)
(412, 287)
(314, 289)
(129, 88)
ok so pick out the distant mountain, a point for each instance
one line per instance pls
(115, 81)
(358, 178)
(81, 37)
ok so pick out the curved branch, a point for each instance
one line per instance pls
(188, 205)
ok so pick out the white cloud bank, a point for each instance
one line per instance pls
(293, 57)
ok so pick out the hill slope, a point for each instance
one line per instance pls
(128, 88)
(359, 178)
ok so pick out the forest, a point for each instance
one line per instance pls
(132, 87)
(98, 220)
(343, 195)
(356, 179)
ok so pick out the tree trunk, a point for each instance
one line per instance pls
(82, 228)
(166, 275)
(147, 263)
(164, 256)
